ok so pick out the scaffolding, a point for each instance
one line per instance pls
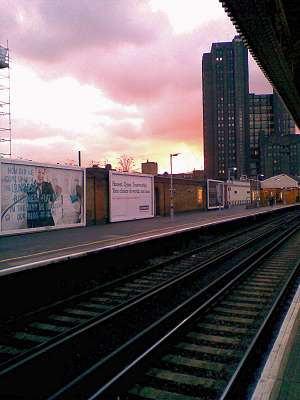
(5, 117)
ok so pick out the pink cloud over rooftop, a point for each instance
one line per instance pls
(129, 53)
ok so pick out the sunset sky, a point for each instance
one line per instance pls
(109, 77)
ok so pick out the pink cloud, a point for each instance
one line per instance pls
(31, 130)
(52, 30)
(139, 74)
(123, 47)
(258, 83)
(177, 116)
(127, 51)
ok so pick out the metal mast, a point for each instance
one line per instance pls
(5, 117)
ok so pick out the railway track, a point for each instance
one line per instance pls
(53, 326)
(41, 326)
(210, 353)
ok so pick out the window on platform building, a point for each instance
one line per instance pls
(200, 197)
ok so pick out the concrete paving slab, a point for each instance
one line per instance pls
(280, 378)
(40, 248)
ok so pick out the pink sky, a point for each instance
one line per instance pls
(111, 77)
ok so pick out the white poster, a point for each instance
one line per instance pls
(215, 194)
(131, 196)
(40, 196)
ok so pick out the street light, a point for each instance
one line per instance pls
(171, 186)
(231, 169)
(257, 190)
(229, 179)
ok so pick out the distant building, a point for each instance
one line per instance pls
(280, 155)
(195, 174)
(198, 174)
(150, 167)
(268, 117)
(244, 134)
(283, 121)
(225, 109)
(260, 124)
(280, 189)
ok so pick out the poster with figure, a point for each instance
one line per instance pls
(215, 194)
(40, 196)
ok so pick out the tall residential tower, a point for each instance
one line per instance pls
(225, 109)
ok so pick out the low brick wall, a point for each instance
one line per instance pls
(190, 195)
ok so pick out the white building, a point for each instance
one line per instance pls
(237, 193)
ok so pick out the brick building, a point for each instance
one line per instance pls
(190, 195)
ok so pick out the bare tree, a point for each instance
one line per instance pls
(70, 162)
(98, 163)
(103, 163)
(93, 163)
(126, 163)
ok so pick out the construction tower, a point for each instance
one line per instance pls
(5, 118)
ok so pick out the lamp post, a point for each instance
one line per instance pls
(171, 186)
(229, 178)
(283, 196)
(231, 169)
(257, 189)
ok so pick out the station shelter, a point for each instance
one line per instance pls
(279, 189)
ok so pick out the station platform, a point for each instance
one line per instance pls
(281, 376)
(31, 250)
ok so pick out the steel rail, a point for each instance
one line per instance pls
(54, 346)
(150, 268)
(113, 314)
(87, 379)
(234, 387)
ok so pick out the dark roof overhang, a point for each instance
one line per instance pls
(269, 28)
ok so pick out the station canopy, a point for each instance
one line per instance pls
(270, 30)
(279, 182)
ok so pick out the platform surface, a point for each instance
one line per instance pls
(36, 248)
(19, 252)
(280, 378)
(290, 383)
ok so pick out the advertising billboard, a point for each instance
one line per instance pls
(131, 196)
(40, 196)
(3, 57)
(215, 194)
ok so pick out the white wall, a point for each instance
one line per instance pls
(238, 192)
